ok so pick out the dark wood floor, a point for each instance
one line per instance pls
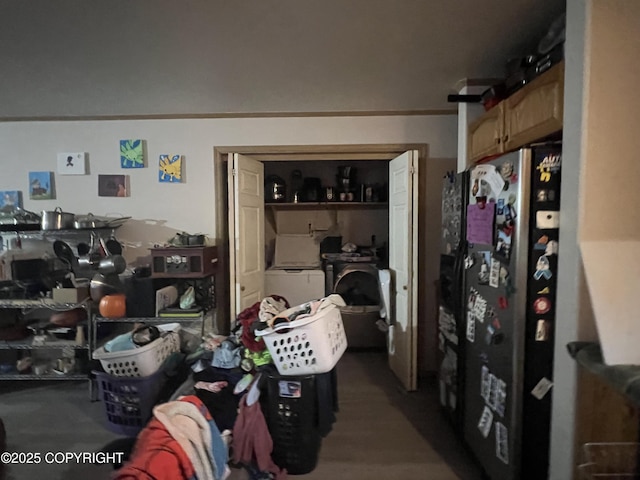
(384, 432)
(380, 432)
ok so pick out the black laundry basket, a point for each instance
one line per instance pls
(291, 410)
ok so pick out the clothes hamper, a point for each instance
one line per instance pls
(291, 411)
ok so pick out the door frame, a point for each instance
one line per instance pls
(266, 153)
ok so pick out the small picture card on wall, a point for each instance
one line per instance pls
(170, 168)
(72, 163)
(41, 186)
(132, 153)
(10, 200)
(113, 185)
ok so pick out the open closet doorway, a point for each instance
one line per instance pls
(384, 197)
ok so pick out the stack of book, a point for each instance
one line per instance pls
(177, 312)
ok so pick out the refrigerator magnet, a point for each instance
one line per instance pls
(494, 273)
(541, 305)
(503, 245)
(483, 273)
(493, 389)
(488, 337)
(486, 421)
(480, 308)
(547, 219)
(541, 388)
(542, 330)
(502, 443)
(541, 244)
(551, 248)
(486, 174)
(485, 383)
(471, 327)
(544, 291)
(501, 398)
(506, 170)
(503, 303)
(544, 195)
(543, 268)
(469, 261)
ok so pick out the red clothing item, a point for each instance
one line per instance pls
(157, 455)
(251, 440)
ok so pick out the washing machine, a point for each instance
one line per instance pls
(296, 273)
(367, 299)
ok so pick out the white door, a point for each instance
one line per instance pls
(246, 232)
(403, 264)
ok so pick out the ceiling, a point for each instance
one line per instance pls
(156, 57)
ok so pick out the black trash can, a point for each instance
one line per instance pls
(290, 408)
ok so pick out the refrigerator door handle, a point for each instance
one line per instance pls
(457, 273)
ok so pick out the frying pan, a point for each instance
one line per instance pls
(64, 252)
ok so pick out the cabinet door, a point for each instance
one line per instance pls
(485, 134)
(535, 111)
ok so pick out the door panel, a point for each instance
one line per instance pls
(248, 241)
(403, 231)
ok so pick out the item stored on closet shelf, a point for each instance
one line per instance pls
(141, 361)
(312, 343)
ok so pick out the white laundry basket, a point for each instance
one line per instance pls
(141, 361)
(310, 345)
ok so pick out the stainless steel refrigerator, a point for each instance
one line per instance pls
(509, 294)
(450, 356)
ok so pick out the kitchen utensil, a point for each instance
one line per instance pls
(115, 222)
(57, 220)
(102, 285)
(89, 221)
(83, 248)
(112, 264)
(275, 189)
(113, 247)
(64, 252)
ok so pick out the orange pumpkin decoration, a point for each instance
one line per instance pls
(113, 306)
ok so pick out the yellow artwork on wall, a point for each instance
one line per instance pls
(170, 168)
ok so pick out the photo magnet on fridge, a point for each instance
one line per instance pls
(486, 420)
(502, 442)
(485, 268)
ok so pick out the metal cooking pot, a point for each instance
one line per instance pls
(57, 220)
(89, 221)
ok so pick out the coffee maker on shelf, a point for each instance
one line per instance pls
(346, 180)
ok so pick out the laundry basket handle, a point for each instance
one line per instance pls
(288, 326)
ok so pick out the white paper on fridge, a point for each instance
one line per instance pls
(542, 387)
(490, 175)
(547, 219)
(480, 223)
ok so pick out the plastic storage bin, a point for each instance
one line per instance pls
(291, 411)
(307, 346)
(611, 461)
(141, 361)
(129, 401)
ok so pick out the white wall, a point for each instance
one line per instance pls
(573, 307)
(160, 210)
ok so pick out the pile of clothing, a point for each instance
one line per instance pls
(217, 417)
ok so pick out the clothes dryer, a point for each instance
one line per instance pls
(358, 283)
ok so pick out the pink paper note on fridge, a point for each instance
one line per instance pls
(480, 223)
